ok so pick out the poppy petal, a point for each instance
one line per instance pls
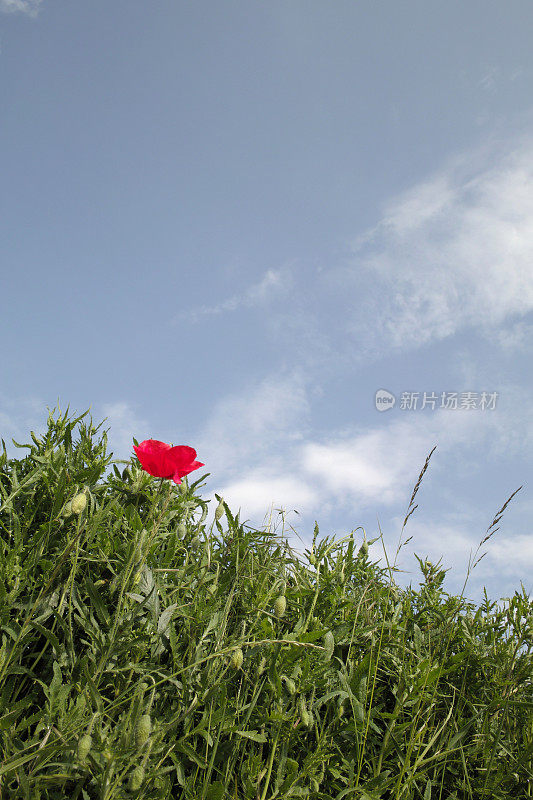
(163, 461)
(151, 453)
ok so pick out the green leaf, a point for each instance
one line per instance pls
(163, 623)
(216, 791)
(50, 637)
(96, 600)
(192, 754)
(253, 735)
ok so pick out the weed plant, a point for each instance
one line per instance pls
(145, 653)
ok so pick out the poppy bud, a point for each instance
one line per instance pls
(305, 716)
(136, 779)
(67, 508)
(84, 746)
(237, 659)
(182, 530)
(280, 605)
(143, 730)
(219, 511)
(291, 686)
(363, 550)
(78, 503)
(329, 644)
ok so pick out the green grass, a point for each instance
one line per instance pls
(147, 654)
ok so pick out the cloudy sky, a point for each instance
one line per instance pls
(229, 224)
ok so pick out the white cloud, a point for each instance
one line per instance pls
(518, 336)
(256, 424)
(380, 465)
(123, 423)
(17, 418)
(257, 492)
(511, 554)
(273, 282)
(368, 466)
(453, 252)
(507, 557)
(258, 449)
(29, 7)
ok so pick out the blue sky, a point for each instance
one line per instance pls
(228, 224)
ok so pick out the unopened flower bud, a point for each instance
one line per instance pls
(305, 716)
(136, 779)
(280, 605)
(84, 746)
(237, 659)
(291, 686)
(329, 645)
(143, 730)
(219, 511)
(78, 503)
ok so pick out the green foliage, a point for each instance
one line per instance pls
(146, 654)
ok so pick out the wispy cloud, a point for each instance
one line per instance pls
(502, 558)
(17, 418)
(272, 284)
(263, 489)
(123, 423)
(29, 7)
(515, 337)
(260, 450)
(260, 419)
(454, 252)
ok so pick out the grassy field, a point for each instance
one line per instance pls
(145, 653)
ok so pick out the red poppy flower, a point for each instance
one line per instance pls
(163, 461)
